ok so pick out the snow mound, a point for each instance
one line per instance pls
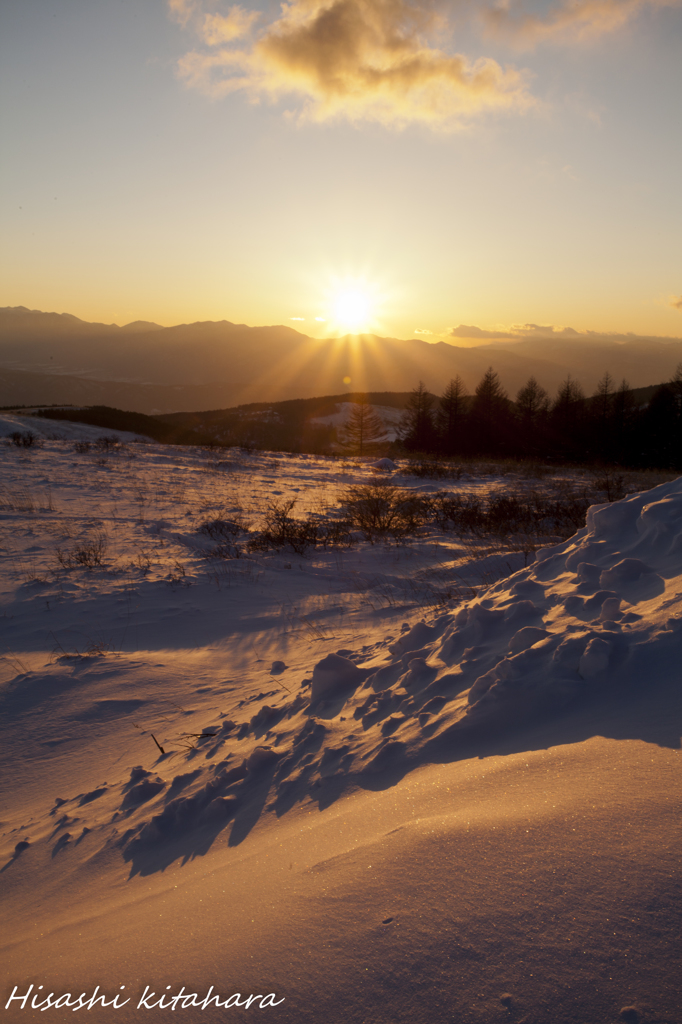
(602, 610)
(333, 676)
(384, 465)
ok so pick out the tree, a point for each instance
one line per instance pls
(599, 419)
(602, 399)
(531, 401)
(418, 431)
(622, 415)
(675, 385)
(489, 414)
(450, 414)
(363, 430)
(566, 418)
(532, 407)
(658, 434)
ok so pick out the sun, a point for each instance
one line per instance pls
(352, 309)
(352, 304)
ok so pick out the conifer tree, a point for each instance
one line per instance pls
(675, 385)
(363, 430)
(601, 399)
(622, 412)
(531, 401)
(418, 431)
(489, 414)
(569, 396)
(566, 419)
(532, 407)
(450, 415)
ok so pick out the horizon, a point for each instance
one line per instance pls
(478, 337)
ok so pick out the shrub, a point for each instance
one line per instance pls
(433, 469)
(384, 510)
(335, 533)
(613, 485)
(280, 530)
(225, 550)
(222, 529)
(460, 513)
(23, 438)
(106, 442)
(89, 553)
(506, 514)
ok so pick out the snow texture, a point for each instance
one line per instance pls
(225, 701)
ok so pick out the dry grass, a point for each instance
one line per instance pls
(90, 647)
(22, 499)
(88, 554)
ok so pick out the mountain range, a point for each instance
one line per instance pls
(52, 358)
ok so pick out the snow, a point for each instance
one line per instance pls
(364, 779)
(43, 428)
(384, 465)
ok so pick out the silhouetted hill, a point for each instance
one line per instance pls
(642, 428)
(210, 365)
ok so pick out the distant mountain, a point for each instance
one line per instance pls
(17, 387)
(55, 357)
(141, 326)
(19, 321)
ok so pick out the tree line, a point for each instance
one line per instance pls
(607, 426)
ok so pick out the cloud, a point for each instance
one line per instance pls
(676, 302)
(223, 28)
(418, 330)
(213, 29)
(543, 331)
(466, 331)
(297, 318)
(354, 59)
(574, 21)
(516, 332)
(182, 11)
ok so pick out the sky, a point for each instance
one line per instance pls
(335, 165)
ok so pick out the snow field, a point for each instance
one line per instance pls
(167, 712)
